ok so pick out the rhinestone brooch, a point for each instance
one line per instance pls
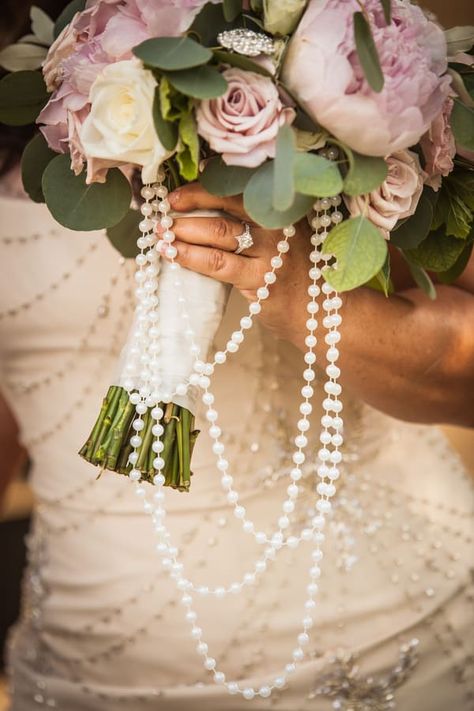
(246, 42)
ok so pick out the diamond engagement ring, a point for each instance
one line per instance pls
(244, 241)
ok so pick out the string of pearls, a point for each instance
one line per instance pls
(144, 353)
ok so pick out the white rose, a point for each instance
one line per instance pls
(119, 127)
(282, 16)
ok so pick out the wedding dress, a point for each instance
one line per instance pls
(102, 626)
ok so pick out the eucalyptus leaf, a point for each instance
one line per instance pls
(124, 234)
(422, 279)
(382, 281)
(172, 53)
(416, 228)
(22, 96)
(387, 10)
(22, 56)
(317, 176)
(462, 124)
(224, 180)
(367, 52)
(42, 25)
(258, 201)
(199, 83)
(459, 39)
(167, 131)
(366, 173)
(360, 251)
(232, 9)
(209, 22)
(455, 205)
(450, 275)
(67, 14)
(36, 156)
(438, 252)
(79, 206)
(240, 61)
(283, 169)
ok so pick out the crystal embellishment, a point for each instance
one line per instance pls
(246, 42)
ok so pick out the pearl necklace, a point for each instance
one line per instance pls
(145, 339)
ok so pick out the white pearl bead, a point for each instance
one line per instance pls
(237, 337)
(248, 693)
(283, 246)
(276, 262)
(233, 687)
(210, 663)
(262, 293)
(135, 475)
(269, 278)
(279, 682)
(264, 692)
(255, 307)
(292, 491)
(220, 357)
(138, 425)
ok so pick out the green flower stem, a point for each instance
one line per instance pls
(118, 431)
(96, 457)
(108, 444)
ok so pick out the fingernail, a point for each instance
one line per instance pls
(174, 196)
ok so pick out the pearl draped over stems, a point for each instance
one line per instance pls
(329, 455)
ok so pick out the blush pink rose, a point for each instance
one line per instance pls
(243, 123)
(396, 198)
(439, 147)
(322, 70)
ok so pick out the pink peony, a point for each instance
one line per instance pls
(439, 147)
(323, 71)
(243, 124)
(396, 198)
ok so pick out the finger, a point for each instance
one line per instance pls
(194, 197)
(219, 264)
(216, 232)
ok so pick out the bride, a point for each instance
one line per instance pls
(102, 626)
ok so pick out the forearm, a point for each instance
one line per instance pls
(408, 356)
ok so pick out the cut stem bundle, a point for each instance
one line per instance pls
(108, 445)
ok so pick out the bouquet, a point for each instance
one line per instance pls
(357, 114)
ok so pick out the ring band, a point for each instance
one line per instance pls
(244, 240)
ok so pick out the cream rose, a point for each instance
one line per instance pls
(119, 128)
(396, 198)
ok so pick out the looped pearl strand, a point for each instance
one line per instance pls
(331, 405)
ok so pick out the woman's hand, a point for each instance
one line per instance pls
(406, 355)
(207, 245)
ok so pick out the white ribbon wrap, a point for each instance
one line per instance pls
(205, 300)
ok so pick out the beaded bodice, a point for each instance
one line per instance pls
(96, 597)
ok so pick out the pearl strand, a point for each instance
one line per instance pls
(202, 379)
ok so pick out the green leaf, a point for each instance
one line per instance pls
(188, 151)
(317, 176)
(22, 56)
(199, 83)
(459, 39)
(84, 207)
(22, 96)
(240, 61)
(422, 279)
(413, 231)
(224, 180)
(438, 252)
(209, 23)
(173, 104)
(454, 205)
(42, 25)
(172, 53)
(462, 124)
(366, 173)
(360, 251)
(67, 14)
(124, 234)
(382, 281)
(232, 9)
(387, 10)
(36, 156)
(166, 131)
(367, 52)
(258, 201)
(283, 169)
(450, 275)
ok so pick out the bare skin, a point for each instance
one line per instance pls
(408, 356)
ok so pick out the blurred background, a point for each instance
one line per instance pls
(16, 501)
